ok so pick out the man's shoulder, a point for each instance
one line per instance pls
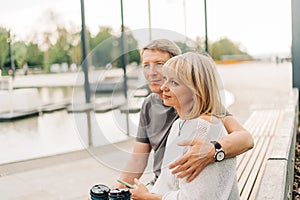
(153, 98)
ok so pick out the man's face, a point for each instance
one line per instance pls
(153, 61)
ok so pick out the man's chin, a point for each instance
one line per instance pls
(155, 89)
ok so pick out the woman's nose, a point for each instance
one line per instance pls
(163, 87)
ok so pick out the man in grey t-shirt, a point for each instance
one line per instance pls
(156, 121)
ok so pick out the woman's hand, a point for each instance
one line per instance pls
(140, 192)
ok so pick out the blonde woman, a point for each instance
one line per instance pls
(192, 89)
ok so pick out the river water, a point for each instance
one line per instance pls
(60, 131)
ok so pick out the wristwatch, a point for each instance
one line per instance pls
(220, 154)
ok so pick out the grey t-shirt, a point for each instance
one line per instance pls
(156, 120)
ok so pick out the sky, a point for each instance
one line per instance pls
(259, 26)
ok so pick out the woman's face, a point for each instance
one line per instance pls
(175, 92)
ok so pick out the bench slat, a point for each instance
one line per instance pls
(251, 179)
(260, 174)
(258, 128)
(250, 165)
(248, 168)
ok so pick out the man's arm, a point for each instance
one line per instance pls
(136, 164)
(238, 141)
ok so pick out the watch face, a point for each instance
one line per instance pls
(220, 156)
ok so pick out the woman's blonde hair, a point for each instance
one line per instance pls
(197, 72)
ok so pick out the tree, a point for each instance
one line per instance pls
(106, 48)
(102, 47)
(34, 56)
(130, 48)
(4, 48)
(133, 54)
(190, 46)
(20, 53)
(225, 47)
(60, 45)
(59, 52)
(75, 54)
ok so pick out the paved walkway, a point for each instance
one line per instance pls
(69, 176)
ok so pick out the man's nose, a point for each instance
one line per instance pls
(153, 69)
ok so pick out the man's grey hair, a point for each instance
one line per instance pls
(163, 45)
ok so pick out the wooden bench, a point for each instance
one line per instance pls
(267, 170)
(262, 124)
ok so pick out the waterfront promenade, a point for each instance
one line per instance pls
(255, 86)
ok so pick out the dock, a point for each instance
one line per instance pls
(22, 114)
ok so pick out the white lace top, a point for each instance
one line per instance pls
(216, 182)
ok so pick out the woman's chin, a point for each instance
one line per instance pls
(167, 103)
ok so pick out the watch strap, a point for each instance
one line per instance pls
(219, 151)
(217, 145)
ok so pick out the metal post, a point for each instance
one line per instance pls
(123, 63)
(149, 20)
(89, 128)
(296, 43)
(123, 59)
(184, 18)
(84, 55)
(206, 39)
(85, 66)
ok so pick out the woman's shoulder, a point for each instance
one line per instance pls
(210, 119)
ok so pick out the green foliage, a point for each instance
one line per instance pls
(4, 47)
(20, 52)
(34, 56)
(101, 47)
(64, 46)
(133, 51)
(106, 48)
(224, 47)
(59, 52)
(103, 34)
